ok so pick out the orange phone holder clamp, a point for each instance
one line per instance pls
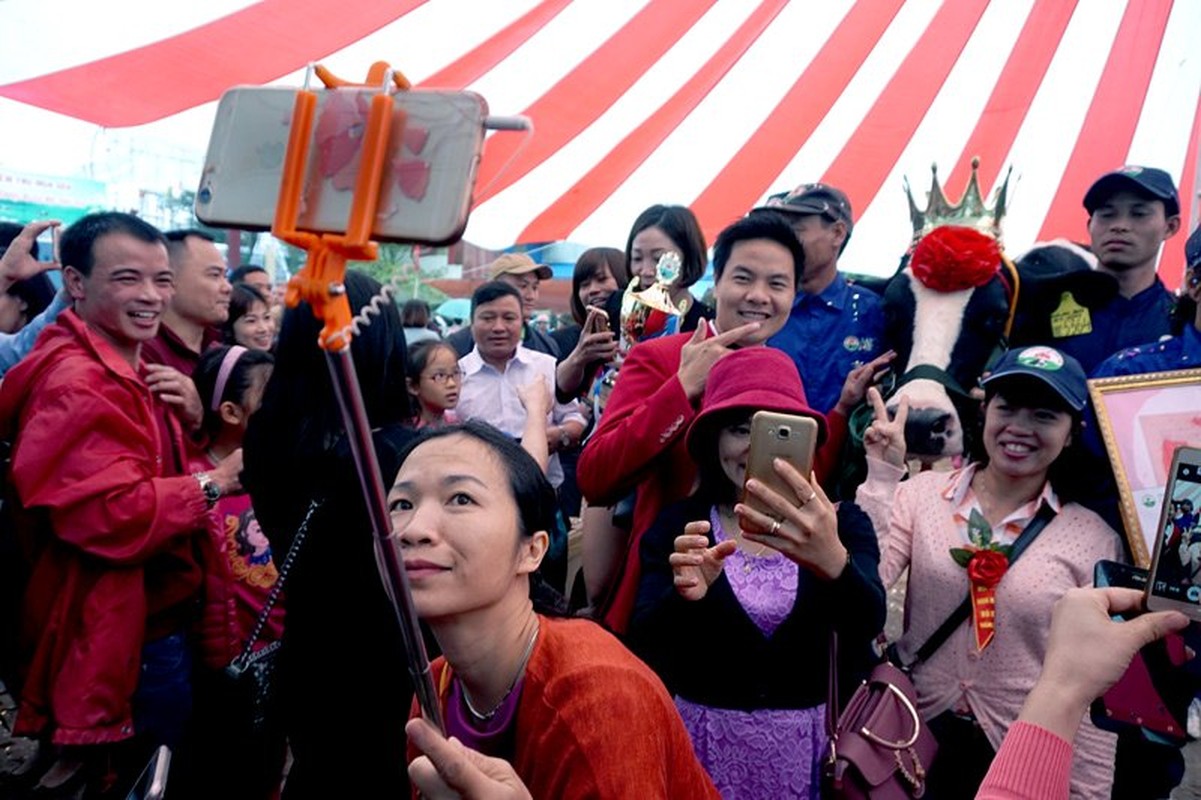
(320, 282)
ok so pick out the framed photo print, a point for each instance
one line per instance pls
(1142, 420)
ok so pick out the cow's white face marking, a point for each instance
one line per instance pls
(937, 325)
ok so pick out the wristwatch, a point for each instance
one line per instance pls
(212, 492)
(564, 438)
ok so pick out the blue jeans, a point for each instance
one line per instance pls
(162, 703)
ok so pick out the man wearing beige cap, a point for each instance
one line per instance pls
(523, 274)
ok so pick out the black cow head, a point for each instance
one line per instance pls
(945, 315)
(947, 330)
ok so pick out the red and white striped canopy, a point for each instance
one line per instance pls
(708, 103)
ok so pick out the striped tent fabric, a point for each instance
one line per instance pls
(712, 104)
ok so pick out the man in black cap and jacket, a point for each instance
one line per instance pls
(1132, 211)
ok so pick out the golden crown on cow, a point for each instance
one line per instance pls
(969, 212)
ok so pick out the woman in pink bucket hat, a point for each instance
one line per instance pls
(735, 607)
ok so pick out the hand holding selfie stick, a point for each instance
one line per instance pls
(320, 284)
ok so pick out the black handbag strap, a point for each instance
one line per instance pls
(1044, 515)
(284, 569)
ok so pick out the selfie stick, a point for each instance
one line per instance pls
(320, 284)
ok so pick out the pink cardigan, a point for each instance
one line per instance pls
(1032, 764)
(916, 529)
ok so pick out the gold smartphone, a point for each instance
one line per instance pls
(596, 321)
(1175, 582)
(775, 435)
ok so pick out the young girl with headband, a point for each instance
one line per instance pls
(239, 573)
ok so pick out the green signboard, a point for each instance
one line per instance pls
(26, 196)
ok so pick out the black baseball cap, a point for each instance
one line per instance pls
(1192, 249)
(1060, 371)
(1143, 180)
(812, 198)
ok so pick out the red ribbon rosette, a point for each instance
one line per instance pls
(986, 563)
(984, 570)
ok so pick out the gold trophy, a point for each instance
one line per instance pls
(644, 315)
(650, 313)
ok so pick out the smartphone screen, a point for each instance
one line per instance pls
(1176, 570)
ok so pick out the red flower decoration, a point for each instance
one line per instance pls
(987, 567)
(952, 258)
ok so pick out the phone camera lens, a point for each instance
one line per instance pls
(785, 432)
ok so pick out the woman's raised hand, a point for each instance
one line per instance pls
(694, 564)
(885, 438)
(804, 530)
(536, 396)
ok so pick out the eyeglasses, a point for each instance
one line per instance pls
(443, 377)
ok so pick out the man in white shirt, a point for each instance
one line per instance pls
(499, 366)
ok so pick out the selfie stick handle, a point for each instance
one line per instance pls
(320, 284)
(395, 581)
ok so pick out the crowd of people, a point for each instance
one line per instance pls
(180, 492)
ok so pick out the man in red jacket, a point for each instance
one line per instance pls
(112, 580)
(639, 443)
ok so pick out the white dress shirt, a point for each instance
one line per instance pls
(491, 396)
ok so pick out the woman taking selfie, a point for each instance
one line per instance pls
(600, 273)
(735, 607)
(560, 699)
(954, 531)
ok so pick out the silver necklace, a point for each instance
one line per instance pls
(525, 658)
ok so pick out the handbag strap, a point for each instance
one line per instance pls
(832, 689)
(1033, 528)
(284, 569)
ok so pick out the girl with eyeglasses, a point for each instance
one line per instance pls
(434, 382)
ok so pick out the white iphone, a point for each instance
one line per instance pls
(425, 189)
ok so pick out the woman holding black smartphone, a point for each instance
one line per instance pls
(735, 605)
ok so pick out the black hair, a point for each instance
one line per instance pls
(302, 418)
(10, 231)
(177, 241)
(36, 291)
(236, 385)
(713, 482)
(590, 262)
(420, 353)
(491, 291)
(415, 313)
(241, 299)
(241, 272)
(77, 243)
(1069, 475)
(418, 358)
(759, 224)
(532, 493)
(681, 226)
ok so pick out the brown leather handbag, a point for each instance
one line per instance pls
(880, 747)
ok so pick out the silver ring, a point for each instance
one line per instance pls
(775, 528)
(812, 497)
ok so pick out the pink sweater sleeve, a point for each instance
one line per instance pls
(1032, 764)
(890, 516)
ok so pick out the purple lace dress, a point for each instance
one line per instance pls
(768, 753)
